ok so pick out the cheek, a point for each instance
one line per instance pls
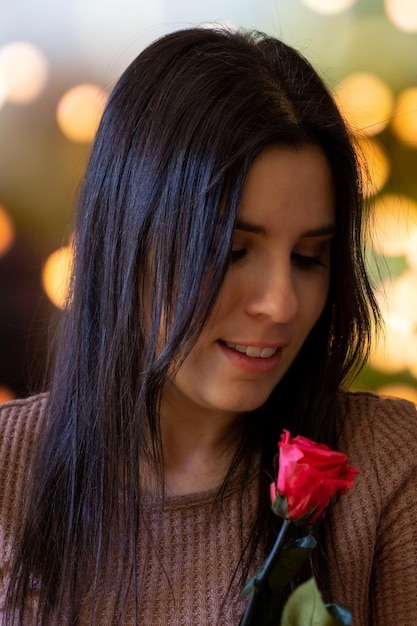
(315, 301)
(226, 301)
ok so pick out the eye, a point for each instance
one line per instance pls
(238, 254)
(306, 262)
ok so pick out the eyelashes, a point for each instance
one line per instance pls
(237, 255)
(307, 262)
(300, 260)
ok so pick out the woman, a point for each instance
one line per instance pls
(219, 295)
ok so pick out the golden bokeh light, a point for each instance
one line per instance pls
(6, 394)
(395, 219)
(399, 391)
(7, 232)
(390, 352)
(374, 163)
(56, 275)
(402, 298)
(395, 350)
(412, 366)
(329, 7)
(403, 14)
(404, 119)
(24, 70)
(79, 112)
(365, 101)
(3, 89)
(411, 250)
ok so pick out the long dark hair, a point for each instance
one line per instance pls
(154, 226)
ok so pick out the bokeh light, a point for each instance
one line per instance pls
(394, 222)
(374, 163)
(404, 119)
(329, 7)
(79, 112)
(390, 352)
(402, 13)
(402, 298)
(395, 350)
(56, 275)
(399, 391)
(412, 365)
(411, 250)
(365, 101)
(6, 394)
(7, 232)
(24, 72)
(3, 89)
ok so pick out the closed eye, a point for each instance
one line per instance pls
(306, 262)
(237, 255)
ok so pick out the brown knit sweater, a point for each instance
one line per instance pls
(370, 533)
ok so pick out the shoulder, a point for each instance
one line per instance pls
(379, 435)
(368, 533)
(364, 406)
(19, 422)
(19, 417)
(385, 417)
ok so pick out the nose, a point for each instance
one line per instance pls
(274, 295)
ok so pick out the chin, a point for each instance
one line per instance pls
(244, 407)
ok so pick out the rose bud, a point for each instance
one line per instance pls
(309, 475)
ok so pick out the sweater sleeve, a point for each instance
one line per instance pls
(19, 421)
(370, 534)
(393, 598)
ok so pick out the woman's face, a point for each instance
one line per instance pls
(274, 291)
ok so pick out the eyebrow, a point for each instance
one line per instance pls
(321, 231)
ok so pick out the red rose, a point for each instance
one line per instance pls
(309, 475)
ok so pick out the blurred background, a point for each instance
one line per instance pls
(58, 62)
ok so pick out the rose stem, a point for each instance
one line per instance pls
(262, 576)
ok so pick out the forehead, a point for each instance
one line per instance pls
(284, 185)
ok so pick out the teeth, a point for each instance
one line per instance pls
(253, 351)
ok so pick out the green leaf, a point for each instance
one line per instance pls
(289, 561)
(305, 608)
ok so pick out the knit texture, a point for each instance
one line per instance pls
(371, 532)
(191, 550)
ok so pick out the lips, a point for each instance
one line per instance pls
(250, 358)
(252, 351)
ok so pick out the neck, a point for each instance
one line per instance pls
(198, 447)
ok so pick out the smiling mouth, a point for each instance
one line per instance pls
(252, 351)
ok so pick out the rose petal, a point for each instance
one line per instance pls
(309, 475)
